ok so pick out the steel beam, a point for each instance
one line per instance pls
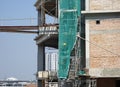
(25, 29)
(20, 29)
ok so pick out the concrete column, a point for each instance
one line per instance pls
(41, 62)
(39, 17)
(41, 58)
(87, 44)
(41, 48)
(41, 14)
(87, 5)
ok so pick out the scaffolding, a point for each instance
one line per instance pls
(68, 26)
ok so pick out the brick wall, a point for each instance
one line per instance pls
(106, 35)
(104, 4)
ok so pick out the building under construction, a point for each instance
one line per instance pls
(87, 35)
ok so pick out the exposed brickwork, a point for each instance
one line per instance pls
(100, 58)
(104, 4)
(105, 24)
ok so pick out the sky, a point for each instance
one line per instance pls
(18, 52)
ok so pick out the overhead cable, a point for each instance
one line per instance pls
(98, 46)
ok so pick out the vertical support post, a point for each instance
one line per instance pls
(87, 5)
(41, 48)
(41, 62)
(87, 44)
(41, 57)
(39, 17)
(41, 13)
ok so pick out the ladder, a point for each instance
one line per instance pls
(72, 72)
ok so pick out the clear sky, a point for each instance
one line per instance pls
(18, 52)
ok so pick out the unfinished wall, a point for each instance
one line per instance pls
(103, 32)
(105, 47)
(104, 4)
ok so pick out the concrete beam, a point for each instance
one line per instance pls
(41, 38)
(100, 11)
(104, 72)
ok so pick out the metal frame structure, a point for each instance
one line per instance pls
(48, 36)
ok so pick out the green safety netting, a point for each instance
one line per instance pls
(68, 22)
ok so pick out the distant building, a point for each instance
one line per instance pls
(51, 58)
(13, 82)
(11, 79)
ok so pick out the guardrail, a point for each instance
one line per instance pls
(49, 29)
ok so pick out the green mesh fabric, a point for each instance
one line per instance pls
(68, 22)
